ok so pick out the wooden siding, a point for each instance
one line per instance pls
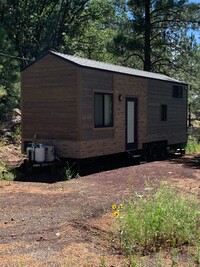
(174, 129)
(93, 81)
(104, 141)
(64, 148)
(58, 106)
(49, 100)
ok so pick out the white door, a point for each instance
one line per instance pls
(131, 123)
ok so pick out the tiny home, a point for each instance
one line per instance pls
(86, 108)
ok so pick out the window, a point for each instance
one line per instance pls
(103, 110)
(163, 112)
(177, 91)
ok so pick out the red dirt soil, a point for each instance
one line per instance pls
(70, 223)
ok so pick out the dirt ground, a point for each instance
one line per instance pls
(70, 223)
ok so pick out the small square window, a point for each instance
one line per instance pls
(177, 91)
(163, 113)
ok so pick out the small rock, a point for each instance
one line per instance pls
(16, 112)
(5, 222)
(57, 234)
(40, 238)
(8, 134)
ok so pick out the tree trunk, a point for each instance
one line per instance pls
(147, 44)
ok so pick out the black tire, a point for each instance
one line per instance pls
(154, 152)
(145, 153)
(163, 151)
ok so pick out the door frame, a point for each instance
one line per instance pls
(133, 145)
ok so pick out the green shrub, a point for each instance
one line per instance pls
(16, 134)
(192, 146)
(6, 173)
(157, 220)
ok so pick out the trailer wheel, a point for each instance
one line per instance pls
(145, 153)
(162, 151)
(154, 152)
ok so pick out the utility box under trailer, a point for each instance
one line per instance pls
(86, 108)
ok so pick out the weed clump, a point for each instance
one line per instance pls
(159, 219)
(192, 146)
(68, 172)
(6, 173)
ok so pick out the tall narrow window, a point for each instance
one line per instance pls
(103, 110)
(163, 113)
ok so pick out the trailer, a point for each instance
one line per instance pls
(85, 108)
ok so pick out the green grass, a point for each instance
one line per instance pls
(159, 220)
(193, 146)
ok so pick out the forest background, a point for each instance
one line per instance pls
(154, 35)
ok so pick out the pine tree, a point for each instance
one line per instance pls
(154, 31)
(9, 77)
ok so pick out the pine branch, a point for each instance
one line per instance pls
(175, 21)
(135, 54)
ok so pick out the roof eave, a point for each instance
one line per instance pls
(49, 52)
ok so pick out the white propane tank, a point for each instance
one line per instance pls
(49, 153)
(30, 152)
(39, 153)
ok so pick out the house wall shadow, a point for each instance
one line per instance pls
(188, 161)
(69, 168)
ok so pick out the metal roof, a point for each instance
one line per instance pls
(83, 62)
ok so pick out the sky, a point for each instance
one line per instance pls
(197, 35)
(197, 32)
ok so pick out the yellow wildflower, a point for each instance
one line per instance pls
(120, 206)
(114, 206)
(116, 213)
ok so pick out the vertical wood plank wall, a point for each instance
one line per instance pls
(50, 103)
(174, 129)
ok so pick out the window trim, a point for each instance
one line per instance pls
(177, 91)
(103, 126)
